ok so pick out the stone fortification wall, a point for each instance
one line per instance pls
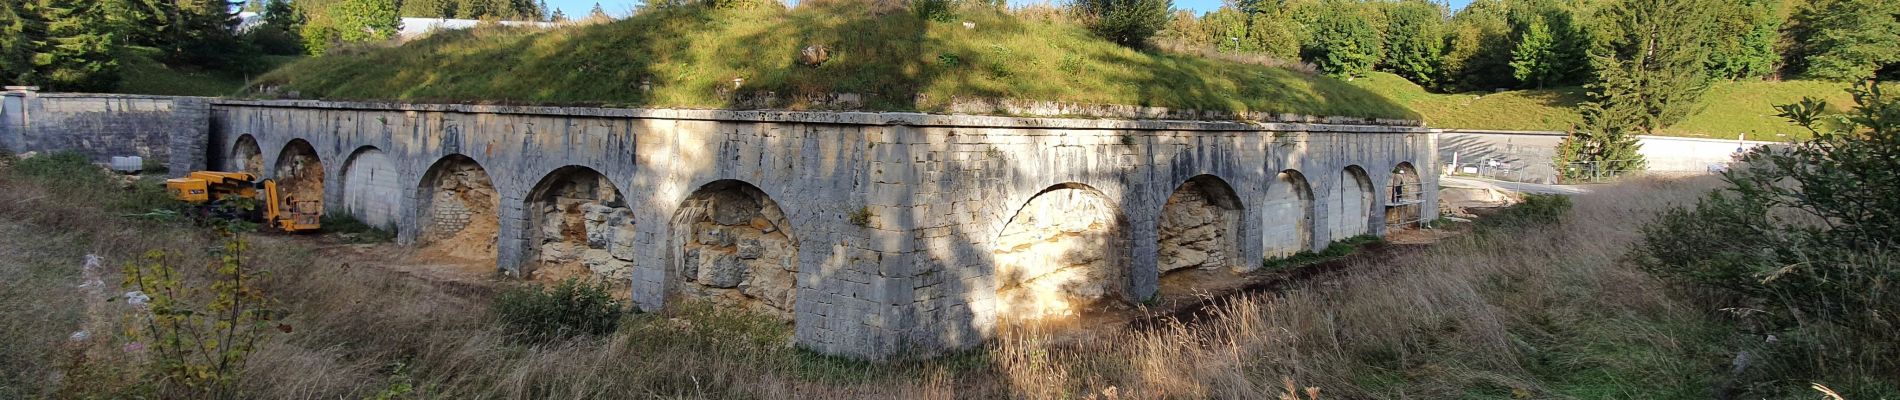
(165, 130)
(874, 234)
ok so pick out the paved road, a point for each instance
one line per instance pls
(1462, 181)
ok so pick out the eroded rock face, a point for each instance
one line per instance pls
(583, 229)
(247, 157)
(735, 251)
(1196, 231)
(300, 178)
(1056, 257)
(461, 219)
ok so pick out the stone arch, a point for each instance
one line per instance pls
(1200, 227)
(579, 226)
(1287, 216)
(370, 187)
(733, 247)
(1354, 195)
(457, 210)
(1061, 256)
(246, 156)
(299, 175)
(1404, 205)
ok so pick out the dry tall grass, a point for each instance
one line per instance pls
(1545, 312)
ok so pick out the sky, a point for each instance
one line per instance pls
(578, 8)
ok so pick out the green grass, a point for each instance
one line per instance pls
(1728, 109)
(1337, 250)
(691, 55)
(143, 74)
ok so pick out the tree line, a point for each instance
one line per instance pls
(79, 45)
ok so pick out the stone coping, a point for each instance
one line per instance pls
(1333, 124)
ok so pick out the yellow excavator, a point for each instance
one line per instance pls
(281, 212)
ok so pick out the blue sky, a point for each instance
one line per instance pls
(577, 8)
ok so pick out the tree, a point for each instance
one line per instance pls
(1225, 29)
(15, 46)
(1755, 26)
(598, 14)
(1127, 22)
(366, 20)
(1650, 72)
(1273, 35)
(1478, 48)
(1344, 43)
(1534, 61)
(76, 50)
(558, 16)
(1848, 40)
(1415, 41)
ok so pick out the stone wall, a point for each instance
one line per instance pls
(582, 228)
(1525, 156)
(372, 191)
(168, 131)
(876, 233)
(1200, 227)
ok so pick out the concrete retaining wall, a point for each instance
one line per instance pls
(164, 129)
(1526, 156)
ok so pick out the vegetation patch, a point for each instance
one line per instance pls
(1337, 250)
(699, 56)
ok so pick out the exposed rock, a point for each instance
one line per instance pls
(1195, 232)
(1053, 258)
(738, 252)
(722, 271)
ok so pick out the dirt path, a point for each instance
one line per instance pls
(455, 275)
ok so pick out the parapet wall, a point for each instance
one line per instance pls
(102, 126)
(874, 234)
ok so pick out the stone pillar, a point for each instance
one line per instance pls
(190, 134)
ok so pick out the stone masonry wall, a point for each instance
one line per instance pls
(170, 131)
(934, 195)
(1199, 225)
(583, 229)
(461, 213)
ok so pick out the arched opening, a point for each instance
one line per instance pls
(246, 156)
(370, 189)
(457, 211)
(1402, 209)
(299, 176)
(1287, 216)
(1354, 208)
(1200, 226)
(1060, 257)
(734, 248)
(579, 226)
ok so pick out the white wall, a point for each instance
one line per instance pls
(370, 188)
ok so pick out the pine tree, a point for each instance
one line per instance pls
(1415, 41)
(558, 16)
(14, 44)
(598, 14)
(76, 50)
(1650, 72)
(1534, 61)
(1848, 40)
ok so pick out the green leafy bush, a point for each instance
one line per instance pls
(572, 307)
(1801, 243)
(354, 230)
(1126, 22)
(1536, 210)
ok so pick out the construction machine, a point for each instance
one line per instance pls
(210, 189)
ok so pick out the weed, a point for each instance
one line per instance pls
(572, 307)
(861, 217)
(1336, 250)
(1536, 210)
(199, 337)
(354, 230)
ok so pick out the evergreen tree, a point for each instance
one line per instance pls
(1534, 61)
(204, 36)
(1127, 22)
(1414, 40)
(1344, 42)
(598, 14)
(558, 16)
(1848, 40)
(15, 49)
(75, 51)
(1650, 72)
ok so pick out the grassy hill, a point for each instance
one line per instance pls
(1728, 108)
(690, 56)
(142, 73)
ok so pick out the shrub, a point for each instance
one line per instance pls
(1536, 210)
(199, 334)
(354, 230)
(934, 10)
(572, 307)
(1802, 238)
(1126, 22)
